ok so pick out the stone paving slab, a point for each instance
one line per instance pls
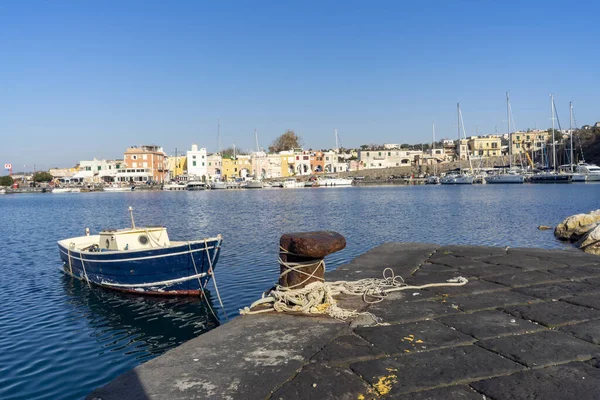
(577, 272)
(489, 301)
(570, 381)
(588, 331)
(592, 301)
(413, 337)
(525, 262)
(559, 290)
(319, 381)
(541, 349)
(458, 392)
(393, 312)
(427, 370)
(525, 278)
(347, 348)
(489, 324)
(461, 341)
(554, 313)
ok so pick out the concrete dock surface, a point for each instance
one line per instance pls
(525, 326)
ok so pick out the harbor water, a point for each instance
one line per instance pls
(60, 339)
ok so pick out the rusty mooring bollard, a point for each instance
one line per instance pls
(302, 253)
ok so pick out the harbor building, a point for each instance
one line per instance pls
(197, 163)
(148, 161)
(177, 165)
(369, 159)
(97, 171)
(529, 141)
(485, 146)
(214, 166)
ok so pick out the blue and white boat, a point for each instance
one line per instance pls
(141, 260)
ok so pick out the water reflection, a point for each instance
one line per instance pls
(136, 325)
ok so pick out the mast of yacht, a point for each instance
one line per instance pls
(462, 124)
(510, 142)
(256, 155)
(553, 141)
(571, 130)
(433, 148)
(219, 135)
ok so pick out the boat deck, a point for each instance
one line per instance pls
(527, 325)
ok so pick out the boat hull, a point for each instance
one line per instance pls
(551, 178)
(182, 269)
(457, 180)
(505, 178)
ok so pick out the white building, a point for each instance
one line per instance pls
(197, 163)
(369, 159)
(98, 171)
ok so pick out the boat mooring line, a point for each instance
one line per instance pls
(163, 283)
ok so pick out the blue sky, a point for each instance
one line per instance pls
(81, 79)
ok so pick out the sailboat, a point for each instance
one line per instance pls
(459, 178)
(218, 183)
(256, 182)
(510, 176)
(552, 176)
(433, 179)
(335, 180)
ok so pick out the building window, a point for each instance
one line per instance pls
(203, 163)
(380, 154)
(193, 157)
(203, 157)
(99, 168)
(389, 153)
(209, 164)
(145, 157)
(193, 163)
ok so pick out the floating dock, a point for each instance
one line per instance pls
(526, 325)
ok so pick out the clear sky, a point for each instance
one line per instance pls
(85, 79)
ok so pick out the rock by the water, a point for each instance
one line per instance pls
(312, 244)
(576, 226)
(544, 227)
(590, 243)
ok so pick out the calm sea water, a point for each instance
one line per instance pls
(61, 339)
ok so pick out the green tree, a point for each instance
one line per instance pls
(6, 180)
(288, 141)
(42, 177)
(227, 153)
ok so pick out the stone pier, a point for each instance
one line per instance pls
(526, 326)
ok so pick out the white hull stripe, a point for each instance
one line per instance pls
(91, 260)
(163, 283)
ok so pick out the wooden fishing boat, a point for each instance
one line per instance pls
(141, 260)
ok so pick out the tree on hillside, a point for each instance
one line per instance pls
(6, 180)
(42, 177)
(288, 141)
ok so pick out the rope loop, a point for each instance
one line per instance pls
(318, 297)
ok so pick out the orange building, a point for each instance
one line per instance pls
(148, 159)
(317, 164)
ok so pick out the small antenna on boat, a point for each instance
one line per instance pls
(131, 215)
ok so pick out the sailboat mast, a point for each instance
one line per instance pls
(219, 135)
(433, 148)
(510, 142)
(571, 130)
(458, 129)
(553, 143)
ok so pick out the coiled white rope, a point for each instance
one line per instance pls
(317, 297)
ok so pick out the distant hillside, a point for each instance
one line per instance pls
(589, 139)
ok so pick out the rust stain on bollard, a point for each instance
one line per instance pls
(302, 254)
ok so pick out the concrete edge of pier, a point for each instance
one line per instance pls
(527, 325)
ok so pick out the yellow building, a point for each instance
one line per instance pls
(485, 146)
(177, 166)
(529, 141)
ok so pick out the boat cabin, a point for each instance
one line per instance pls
(134, 239)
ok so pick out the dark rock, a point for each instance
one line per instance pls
(588, 331)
